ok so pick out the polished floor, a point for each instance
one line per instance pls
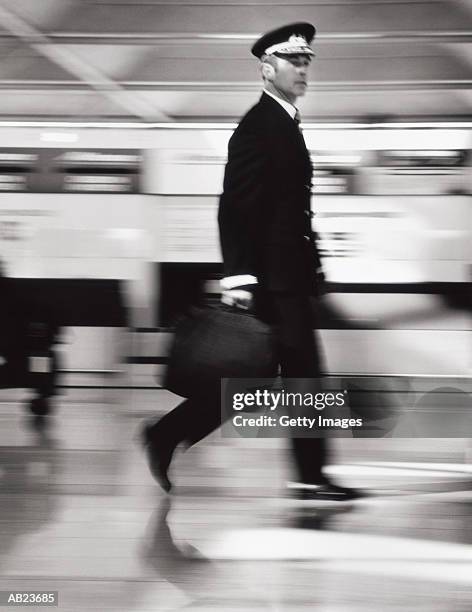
(81, 515)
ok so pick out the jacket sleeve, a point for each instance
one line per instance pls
(241, 208)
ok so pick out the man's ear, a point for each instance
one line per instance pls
(268, 71)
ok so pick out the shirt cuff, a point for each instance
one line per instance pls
(230, 282)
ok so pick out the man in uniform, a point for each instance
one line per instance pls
(270, 255)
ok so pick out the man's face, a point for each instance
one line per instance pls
(291, 75)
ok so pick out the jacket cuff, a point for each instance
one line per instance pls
(231, 282)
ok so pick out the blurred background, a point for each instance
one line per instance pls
(114, 122)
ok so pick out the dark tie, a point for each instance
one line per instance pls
(297, 120)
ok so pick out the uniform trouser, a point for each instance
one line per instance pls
(299, 357)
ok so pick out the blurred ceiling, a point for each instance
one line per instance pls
(183, 60)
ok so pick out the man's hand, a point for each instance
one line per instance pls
(238, 298)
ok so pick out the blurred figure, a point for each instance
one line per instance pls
(28, 331)
(270, 254)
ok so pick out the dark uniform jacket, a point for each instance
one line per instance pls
(264, 214)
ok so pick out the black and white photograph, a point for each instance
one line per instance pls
(236, 305)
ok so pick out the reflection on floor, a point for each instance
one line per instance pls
(80, 514)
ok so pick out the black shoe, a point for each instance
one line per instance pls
(159, 458)
(326, 492)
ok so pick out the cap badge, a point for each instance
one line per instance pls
(297, 39)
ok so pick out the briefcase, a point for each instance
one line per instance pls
(211, 343)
